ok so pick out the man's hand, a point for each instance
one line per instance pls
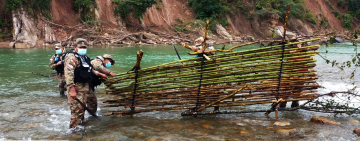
(72, 92)
(103, 75)
(183, 44)
(58, 63)
(112, 74)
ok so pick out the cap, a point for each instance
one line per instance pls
(58, 45)
(108, 56)
(294, 39)
(199, 40)
(81, 42)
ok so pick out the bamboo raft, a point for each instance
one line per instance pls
(230, 78)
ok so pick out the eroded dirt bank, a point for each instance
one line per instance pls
(168, 22)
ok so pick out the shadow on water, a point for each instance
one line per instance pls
(33, 109)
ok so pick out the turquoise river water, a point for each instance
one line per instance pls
(32, 109)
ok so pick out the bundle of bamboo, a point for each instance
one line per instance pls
(233, 78)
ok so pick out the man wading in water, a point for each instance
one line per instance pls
(57, 63)
(100, 63)
(78, 72)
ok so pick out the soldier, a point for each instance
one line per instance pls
(100, 63)
(57, 63)
(78, 71)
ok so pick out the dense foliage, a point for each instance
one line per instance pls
(212, 10)
(33, 6)
(86, 9)
(354, 8)
(280, 6)
(123, 8)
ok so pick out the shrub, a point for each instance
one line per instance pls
(310, 17)
(34, 7)
(347, 18)
(225, 23)
(205, 9)
(85, 7)
(354, 8)
(138, 7)
(336, 13)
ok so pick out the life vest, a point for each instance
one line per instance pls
(83, 73)
(60, 68)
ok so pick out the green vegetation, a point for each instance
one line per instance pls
(354, 8)
(123, 8)
(188, 26)
(280, 6)
(86, 9)
(310, 17)
(34, 7)
(341, 4)
(212, 10)
(330, 5)
(348, 19)
(336, 13)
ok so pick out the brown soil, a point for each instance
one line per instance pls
(63, 12)
(106, 13)
(320, 7)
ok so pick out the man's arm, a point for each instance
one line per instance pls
(97, 64)
(71, 62)
(51, 63)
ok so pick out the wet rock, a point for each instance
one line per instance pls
(286, 131)
(353, 121)
(25, 29)
(12, 115)
(281, 123)
(51, 137)
(6, 129)
(206, 126)
(280, 31)
(357, 131)
(75, 137)
(222, 32)
(244, 132)
(21, 45)
(338, 40)
(152, 139)
(324, 120)
(12, 44)
(250, 38)
(238, 39)
(241, 124)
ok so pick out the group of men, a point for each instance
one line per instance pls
(79, 75)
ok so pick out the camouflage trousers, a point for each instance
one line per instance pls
(77, 111)
(91, 101)
(62, 84)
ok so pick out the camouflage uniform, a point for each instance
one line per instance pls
(98, 65)
(60, 77)
(82, 90)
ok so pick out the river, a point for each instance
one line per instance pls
(32, 109)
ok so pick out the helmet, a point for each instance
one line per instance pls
(108, 56)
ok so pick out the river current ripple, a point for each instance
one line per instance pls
(32, 109)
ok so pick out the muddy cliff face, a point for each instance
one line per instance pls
(162, 17)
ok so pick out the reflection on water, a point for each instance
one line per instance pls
(32, 108)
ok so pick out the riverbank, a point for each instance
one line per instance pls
(148, 39)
